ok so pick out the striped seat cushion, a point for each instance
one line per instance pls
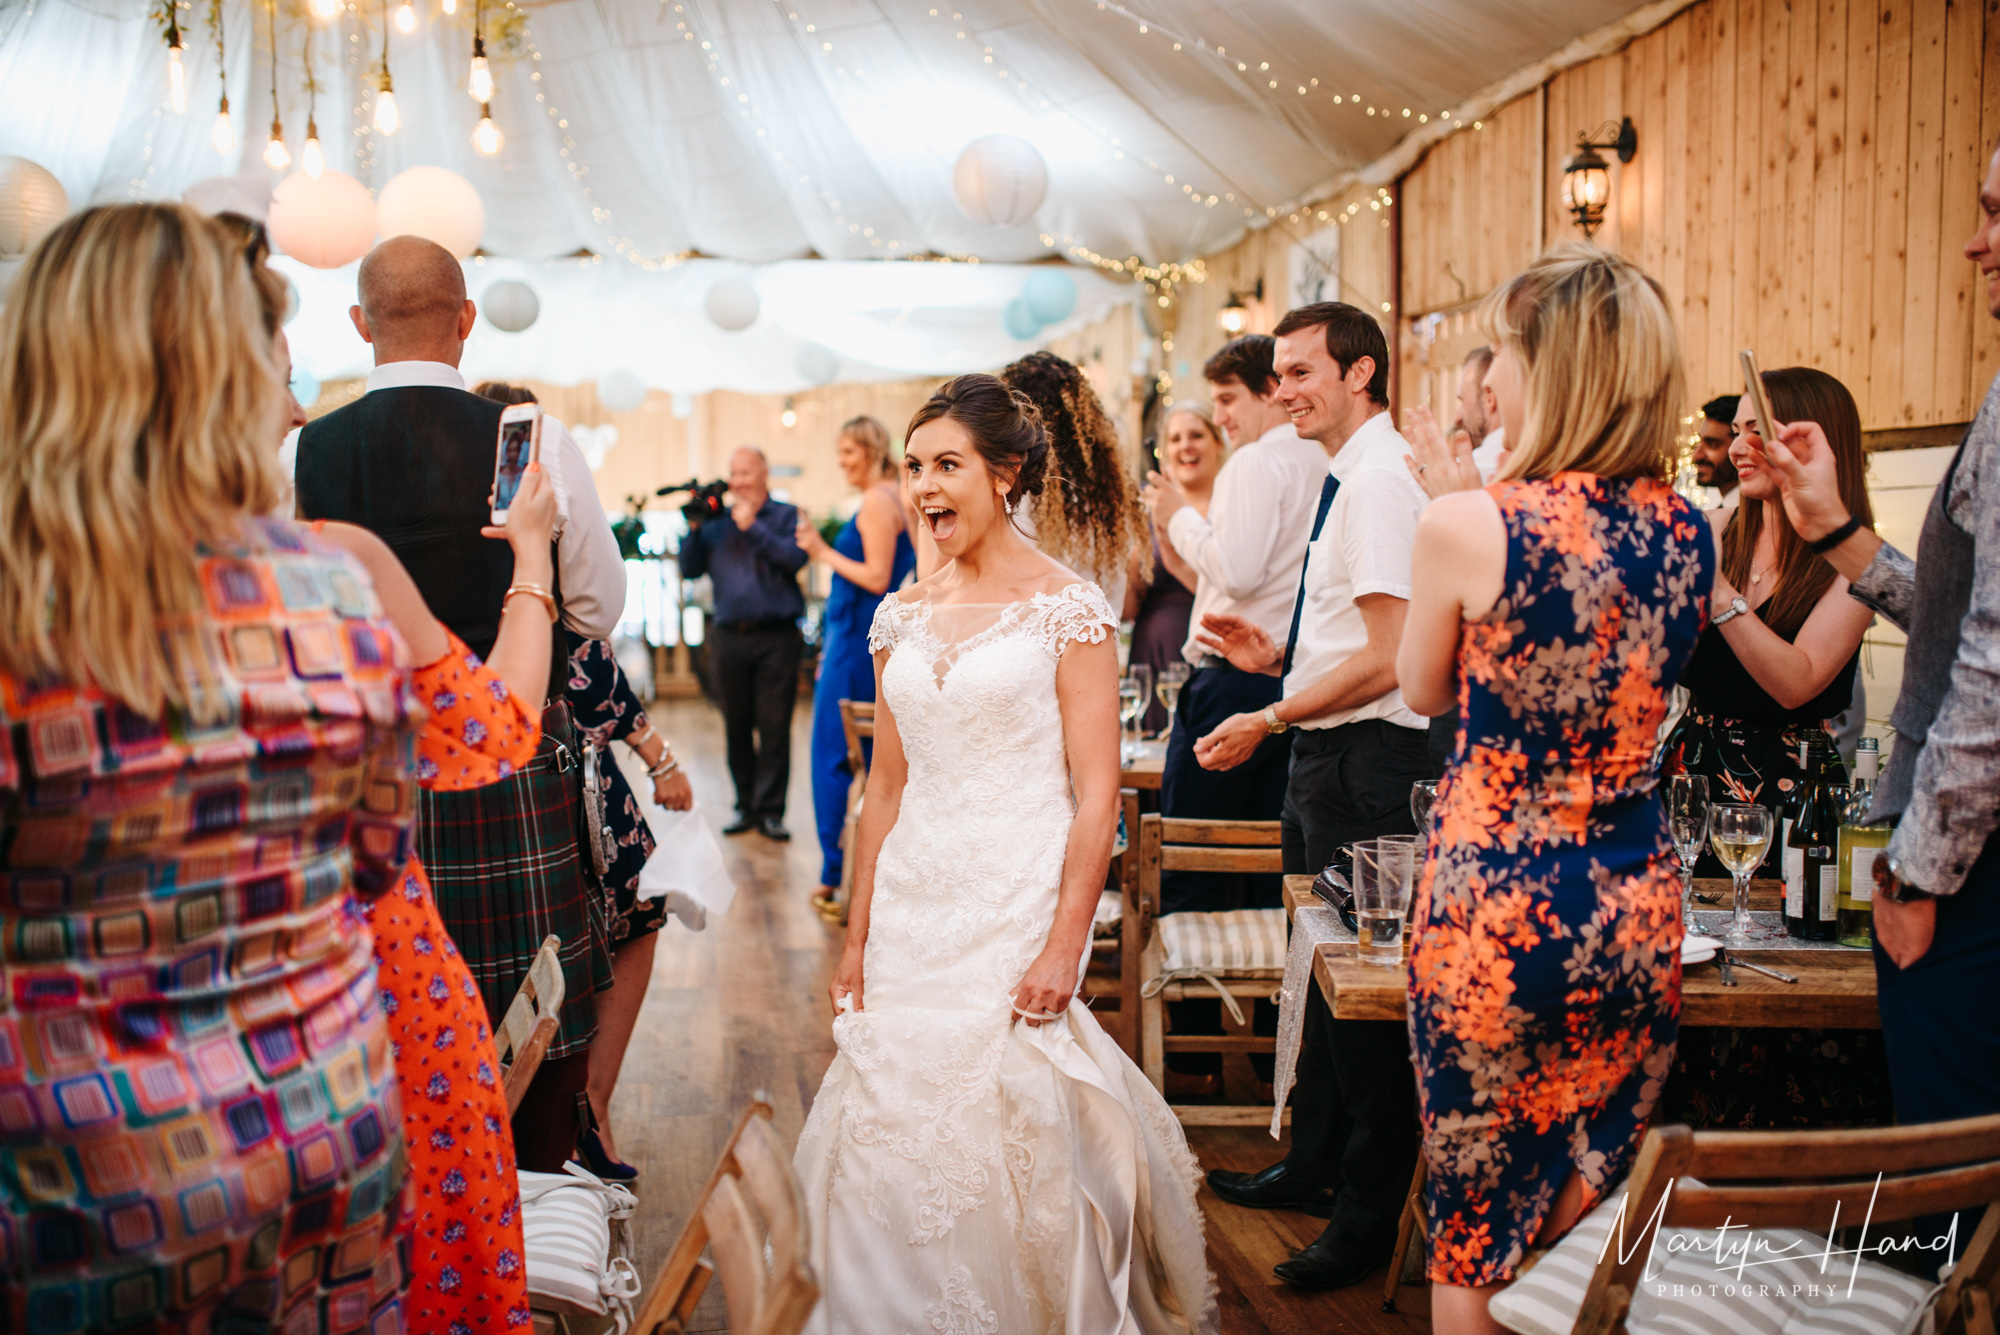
(1781, 1288)
(1110, 915)
(1242, 943)
(577, 1236)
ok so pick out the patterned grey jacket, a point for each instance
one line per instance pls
(1943, 777)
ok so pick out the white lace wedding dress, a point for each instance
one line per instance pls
(964, 1174)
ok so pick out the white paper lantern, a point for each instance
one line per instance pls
(621, 391)
(435, 204)
(32, 201)
(732, 304)
(1000, 180)
(248, 194)
(817, 364)
(510, 305)
(324, 221)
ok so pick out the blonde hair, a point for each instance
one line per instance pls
(873, 437)
(1195, 408)
(1603, 361)
(139, 412)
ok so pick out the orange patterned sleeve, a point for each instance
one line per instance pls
(478, 731)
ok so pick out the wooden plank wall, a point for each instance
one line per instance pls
(1807, 174)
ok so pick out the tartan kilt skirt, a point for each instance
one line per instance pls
(506, 868)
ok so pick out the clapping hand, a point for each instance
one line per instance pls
(1440, 466)
(1244, 643)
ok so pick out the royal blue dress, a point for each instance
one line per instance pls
(846, 672)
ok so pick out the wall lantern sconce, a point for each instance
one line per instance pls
(790, 416)
(1234, 317)
(1586, 187)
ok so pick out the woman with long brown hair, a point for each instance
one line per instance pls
(203, 742)
(1783, 644)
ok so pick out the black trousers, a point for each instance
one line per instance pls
(756, 680)
(1254, 790)
(1354, 1108)
(1941, 1023)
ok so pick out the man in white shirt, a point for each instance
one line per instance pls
(412, 460)
(1356, 752)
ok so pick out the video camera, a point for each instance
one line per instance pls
(704, 499)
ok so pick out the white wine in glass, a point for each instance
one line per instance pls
(1739, 835)
(1131, 699)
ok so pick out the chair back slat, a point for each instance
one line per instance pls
(1697, 1205)
(736, 1242)
(1851, 1153)
(531, 1021)
(1183, 857)
(1243, 833)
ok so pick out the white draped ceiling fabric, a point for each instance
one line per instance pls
(796, 143)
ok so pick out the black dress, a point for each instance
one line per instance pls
(1744, 740)
(1160, 631)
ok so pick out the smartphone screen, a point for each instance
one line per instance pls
(516, 443)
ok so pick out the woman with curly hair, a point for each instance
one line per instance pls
(1088, 516)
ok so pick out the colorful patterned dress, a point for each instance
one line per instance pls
(1545, 975)
(608, 709)
(467, 1276)
(197, 1107)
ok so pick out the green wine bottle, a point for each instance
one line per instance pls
(1860, 844)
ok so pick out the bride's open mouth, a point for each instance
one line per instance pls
(943, 523)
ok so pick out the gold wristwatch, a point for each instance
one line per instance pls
(1272, 722)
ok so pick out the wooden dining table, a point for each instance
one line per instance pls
(1143, 771)
(1836, 988)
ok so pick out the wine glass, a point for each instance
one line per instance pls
(1143, 674)
(1423, 794)
(1131, 699)
(1172, 677)
(1739, 835)
(1687, 820)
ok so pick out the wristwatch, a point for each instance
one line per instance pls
(1737, 607)
(1273, 722)
(1898, 890)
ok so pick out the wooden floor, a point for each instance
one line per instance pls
(742, 1007)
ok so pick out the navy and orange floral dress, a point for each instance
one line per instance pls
(1545, 976)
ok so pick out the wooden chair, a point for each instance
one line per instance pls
(751, 1218)
(857, 721)
(1250, 846)
(530, 1023)
(1766, 1179)
(1113, 973)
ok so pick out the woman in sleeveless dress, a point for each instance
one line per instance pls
(1557, 607)
(1764, 679)
(981, 1156)
(870, 556)
(1191, 454)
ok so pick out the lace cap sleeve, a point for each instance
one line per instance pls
(886, 628)
(1079, 612)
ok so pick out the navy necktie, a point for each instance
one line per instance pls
(1326, 491)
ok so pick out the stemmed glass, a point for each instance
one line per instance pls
(1143, 674)
(1173, 676)
(1131, 699)
(1687, 820)
(1423, 794)
(1739, 835)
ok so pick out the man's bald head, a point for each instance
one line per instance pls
(412, 302)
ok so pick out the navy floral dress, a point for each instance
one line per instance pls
(607, 708)
(1545, 971)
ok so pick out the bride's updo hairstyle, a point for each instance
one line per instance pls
(1004, 425)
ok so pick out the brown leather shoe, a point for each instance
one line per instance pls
(1181, 1087)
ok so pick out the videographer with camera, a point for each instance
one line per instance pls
(751, 555)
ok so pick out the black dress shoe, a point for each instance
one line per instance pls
(741, 825)
(1333, 1264)
(1276, 1188)
(773, 828)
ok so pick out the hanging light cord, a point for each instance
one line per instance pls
(275, 117)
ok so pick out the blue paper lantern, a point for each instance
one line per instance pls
(1050, 295)
(305, 387)
(1019, 321)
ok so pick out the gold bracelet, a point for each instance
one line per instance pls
(533, 591)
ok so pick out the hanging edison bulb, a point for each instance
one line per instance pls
(387, 119)
(176, 77)
(325, 9)
(480, 84)
(406, 17)
(222, 136)
(312, 160)
(276, 156)
(487, 138)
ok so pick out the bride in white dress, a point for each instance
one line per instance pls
(981, 1158)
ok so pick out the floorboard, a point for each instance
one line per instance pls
(742, 1007)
